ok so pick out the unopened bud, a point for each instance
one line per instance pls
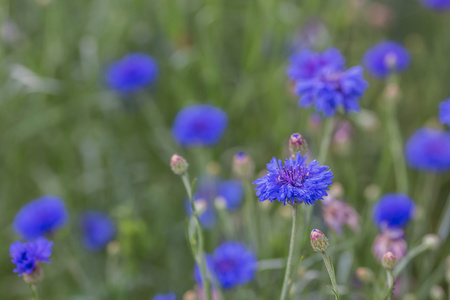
(178, 164)
(364, 274)
(390, 60)
(432, 241)
(35, 276)
(297, 144)
(437, 292)
(389, 261)
(200, 206)
(319, 241)
(220, 203)
(243, 166)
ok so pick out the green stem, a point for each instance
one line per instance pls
(405, 260)
(287, 274)
(251, 214)
(330, 269)
(200, 256)
(390, 278)
(34, 291)
(326, 140)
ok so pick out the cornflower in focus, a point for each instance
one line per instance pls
(437, 4)
(132, 73)
(337, 213)
(428, 150)
(385, 58)
(97, 230)
(199, 125)
(169, 296)
(27, 256)
(42, 216)
(444, 112)
(294, 182)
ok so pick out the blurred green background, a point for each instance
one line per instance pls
(64, 133)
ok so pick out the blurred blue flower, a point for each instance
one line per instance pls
(437, 4)
(40, 217)
(199, 125)
(231, 264)
(232, 193)
(205, 210)
(386, 57)
(393, 211)
(169, 296)
(132, 73)
(444, 112)
(308, 64)
(27, 256)
(428, 150)
(97, 230)
(332, 89)
(295, 182)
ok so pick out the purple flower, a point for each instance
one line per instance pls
(390, 240)
(393, 211)
(337, 213)
(169, 296)
(40, 217)
(97, 230)
(27, 256)
(199, 125)
(132, 73)
(386, 57)
(428, 150)
(444, 112)
(294, 182)
(437, 4)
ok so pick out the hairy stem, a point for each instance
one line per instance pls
(330, 269)
(287, 274)
(390, 278)
(34, 291)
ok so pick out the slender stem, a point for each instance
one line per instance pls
(251, 214)
(34, 291)
(405, 260)
(330, 269)
(390, 278)
(200, 256)
(326, 139)
(287, 274)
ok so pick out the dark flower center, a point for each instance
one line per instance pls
(294, 176)
(226, 265)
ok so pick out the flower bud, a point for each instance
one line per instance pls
(432, 241)
(178, 164)
(297, 144)
(35, 276)
(242, 165)
(319, 241)
(389, 261)
(437, 292)
(364, 274)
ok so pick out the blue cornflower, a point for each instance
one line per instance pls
(437, 4)
(230, 265)
(199, 125)
(294, 182)
(27, 256)
(444, 112)
(386, 57)
(393, 211)
(97, 230)
(169, 296)
(332, 89)
(428, 150)
(132, 73)
(232, 193)
(40, 217)
(308, 64)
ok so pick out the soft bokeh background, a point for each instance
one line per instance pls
(64, 133)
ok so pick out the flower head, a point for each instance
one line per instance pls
(393, 211)
(27, 256)
(427, 150)
(97, 230)
(444, 112)
(132, 73)
(390, 240)
(40, 217)
(294, 182)
(232, 193)
(386, 57)
(199, 125)
(337, 213)
(437, 4)
(319, 241)
(169, 296)
(178, 164)
(389, 261)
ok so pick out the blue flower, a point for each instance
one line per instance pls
(444, 112)
(386, 57)
(231, 264)
(437, 4)
(27, 256)
(40, 217)
(332, 89)
(169, 296)
(132, 73)
(428, 150)
(199, 125)
(308, 64)
(205, 210)
(295, 182)
(97, 230)
(393, 211)
(232, 192)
